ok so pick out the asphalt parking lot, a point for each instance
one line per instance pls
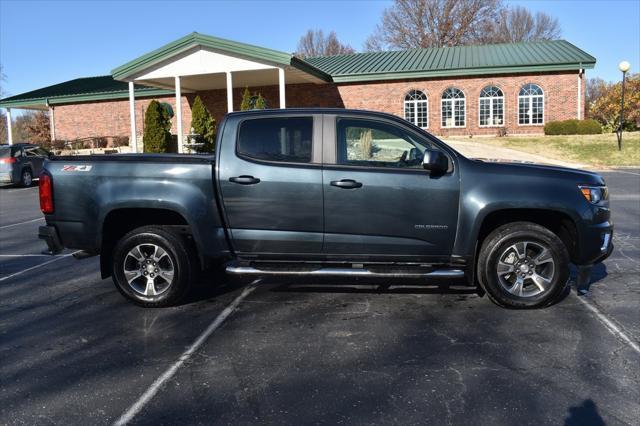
(72, 350)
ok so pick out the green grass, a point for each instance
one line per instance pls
(596, 150)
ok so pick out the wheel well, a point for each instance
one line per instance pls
(558, 223)
(119, 222)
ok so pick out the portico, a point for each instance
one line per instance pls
(199, 63)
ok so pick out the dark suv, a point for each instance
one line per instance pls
(20, 163)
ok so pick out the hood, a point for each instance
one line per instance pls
(541, 170)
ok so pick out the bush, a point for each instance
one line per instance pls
(246, 105)
(100, 142)
(157, 137)
(204, 125)
(120, 141)
(58, 144)
(572, 127)
(589, 127)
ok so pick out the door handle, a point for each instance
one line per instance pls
(346, 183)
(244, 180)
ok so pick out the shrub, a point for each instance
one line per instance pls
(246, 103)
(260, 103)
(100, 142)
(156, 129)
(120, 141)
(204, 125)
(589, 127)
(566, 127)
(58, 144)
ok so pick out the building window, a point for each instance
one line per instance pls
(416, 108)
(453, 108)
(491, 107)
(530, 105)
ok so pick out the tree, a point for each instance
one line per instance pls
(157, 137)
(38, 128)
(606, 108)
(595, 89)
(204, 125)
(245, 105)
(518, 24)
(410, 24)
(314, 43)
(260, 103)
(3, 118)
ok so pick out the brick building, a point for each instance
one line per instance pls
(468, 90)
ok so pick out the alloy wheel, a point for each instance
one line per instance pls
(148, 269)
(526, 269)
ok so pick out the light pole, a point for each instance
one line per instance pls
(624, 67)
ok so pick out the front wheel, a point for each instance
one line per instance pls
(153, 266)
(523, 265)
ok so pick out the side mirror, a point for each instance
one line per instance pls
(435, 161)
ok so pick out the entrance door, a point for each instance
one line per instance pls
(379, 201)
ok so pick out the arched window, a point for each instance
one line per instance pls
(416, 108)
(530, 105)
(491, 107)
(453, 108)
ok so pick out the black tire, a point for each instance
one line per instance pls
(179, 258)
(513, 285)
(26, 178)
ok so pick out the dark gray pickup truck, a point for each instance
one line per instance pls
(327, 192)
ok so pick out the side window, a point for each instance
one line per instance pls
(30, 152)
(287, 139)
(377, 144)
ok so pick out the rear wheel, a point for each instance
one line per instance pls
(26, 178)
(153, 266)
(523, 265)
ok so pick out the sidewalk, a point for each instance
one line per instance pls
(475, 149)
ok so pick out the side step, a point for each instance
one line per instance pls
(345, 272)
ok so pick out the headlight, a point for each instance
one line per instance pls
(594, 194)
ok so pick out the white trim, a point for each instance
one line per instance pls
(179, 113)
(579, 93)
(281, 88)
(52, 123)
(229, 92)
(133, 142)
(9, 127)
(415, 103)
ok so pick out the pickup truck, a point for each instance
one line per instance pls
(326, 192)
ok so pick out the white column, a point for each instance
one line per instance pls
(281, 87)
(52, 123)
(9, 127)
(579, 93)
(229, 92)
(179, 113)
(133, 141)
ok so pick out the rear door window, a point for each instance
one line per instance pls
(283, 139)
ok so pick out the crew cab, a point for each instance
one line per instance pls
(326, 192)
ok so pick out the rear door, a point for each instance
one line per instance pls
(379, 201)
(270, 179)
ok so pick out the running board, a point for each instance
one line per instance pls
(345, 272)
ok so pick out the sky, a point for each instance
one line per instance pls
(47, 42)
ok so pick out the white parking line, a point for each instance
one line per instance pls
(610, 325)
(128, 415)
(15, 274)
(31, 255)
(624, 171)
(21, 189)
(21, 223)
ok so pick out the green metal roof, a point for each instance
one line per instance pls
(79, 90)
(544, 56)
(236, 48)
(540, 56)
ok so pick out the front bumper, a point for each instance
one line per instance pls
(596, 243)
(49, 235)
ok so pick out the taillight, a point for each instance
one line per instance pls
(45, 188)
(8, 160)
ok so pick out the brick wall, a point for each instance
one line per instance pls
(111, 118)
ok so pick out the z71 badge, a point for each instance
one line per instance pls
(76, 168)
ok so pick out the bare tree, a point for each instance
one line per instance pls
(314, 43)
(3, 120)
(411, 24)
(519, 24)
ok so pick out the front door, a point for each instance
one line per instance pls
(379, 201)
(270, 178)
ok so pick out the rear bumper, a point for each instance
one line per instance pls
(49, 235)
